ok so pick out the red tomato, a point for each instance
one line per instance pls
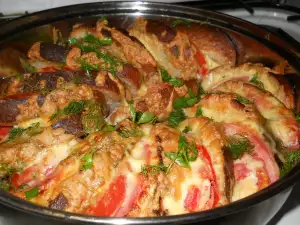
(263, 179)
(112, 199)
(22, 178)
(202, 63)
(212, 175)
(66, 68)
(192, 199)
(240, 171)
(4, 132)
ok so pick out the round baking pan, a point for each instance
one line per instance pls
(255, 209)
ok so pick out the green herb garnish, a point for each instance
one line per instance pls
(15, 133)
(152, 169)
(73, 108)
(92, 119)
(126, 132)
(20, 77)
(141, 117)
(28, 68)
(32, 193)
(180, 21)
(254, 80)
(176, 117)
(238, 146)
(187, 152)
(242, 100)
(165, 76)
(297, 116)
(88, 159)
(199, 111)
(292, 158)
(187, 129)
(102, 18)
(99, 42)
(4, 185)
(108, 128)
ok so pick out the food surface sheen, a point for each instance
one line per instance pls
(164, 118)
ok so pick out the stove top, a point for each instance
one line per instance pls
(278, 16)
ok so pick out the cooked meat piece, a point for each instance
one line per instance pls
(72, 58)
(158, 100)
(60, 203)
(131, 77)
(252, 51)
(71, 125)
(181, 65)
(253, 73)
(279, 119)
(52, 52)
(213, 43)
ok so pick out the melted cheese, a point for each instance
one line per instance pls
(248, 185)
(210, 63)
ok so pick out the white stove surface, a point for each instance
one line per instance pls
(290, 212)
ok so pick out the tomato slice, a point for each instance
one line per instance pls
(148, 153)
(192, 199)
(202, 63)
(23, 178)
(4, 132)
(241, 171)
(112, 199)
(215, 196)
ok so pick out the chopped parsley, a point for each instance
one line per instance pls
(17, 132)
(126, 132)
(4, 185)
(73, 108)
(32, 193)
(20, 77)
(102, 18)
(292, 158)
(92, 119)
(187, 129)
(180, 21)
(28, 68)
(141, 117)
(238, 146)
(176, 117)
(242, 100)
(254, 80)
(187, 152)
(108, 128)
(297, 116)
(199, 111)
(152, 169)
(87, 160)
(165, 76)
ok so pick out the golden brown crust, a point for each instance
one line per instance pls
(252, 51)
(213, 42)
(280, 120)
(247, 72)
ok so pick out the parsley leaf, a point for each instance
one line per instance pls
(297, 116)
(242, 100)
(292, 159)
(180, 21)
(129, 132)
(199, 111)
(174, 81)
(254, 80)
(187, 152)
(176, 117)
(152, 169)
(88, 159)
(102, 18)
(238, 146)
(4, 185)
(15, 132)
(187, 129)
(73, 108)
(147, 117)
(32, 193)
